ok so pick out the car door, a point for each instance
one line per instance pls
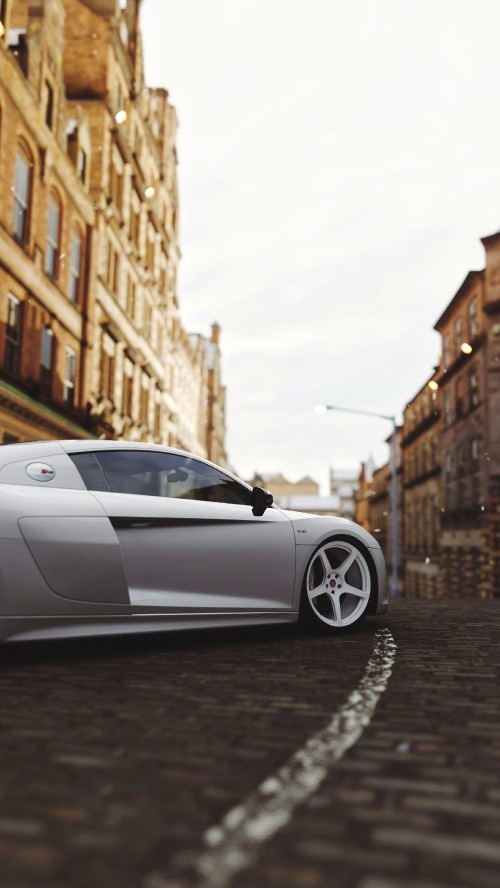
(188, 537)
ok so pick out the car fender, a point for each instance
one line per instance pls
(312, 531)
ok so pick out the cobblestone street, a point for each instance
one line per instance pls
(118, 755)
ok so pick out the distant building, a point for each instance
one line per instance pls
(374, 506)
(279, 486)
(422, 493)
(344, 483)
(363, 494)
(315, 505)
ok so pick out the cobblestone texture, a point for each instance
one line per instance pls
(117, 755)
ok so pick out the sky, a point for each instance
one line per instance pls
(338, 164)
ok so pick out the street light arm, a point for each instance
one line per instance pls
(351, 410)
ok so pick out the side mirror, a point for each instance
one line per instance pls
(261, 500)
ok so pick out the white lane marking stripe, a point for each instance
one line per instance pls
(233, 845)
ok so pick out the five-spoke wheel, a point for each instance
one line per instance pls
(338, 584)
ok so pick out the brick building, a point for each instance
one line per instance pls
(450, 454)
(89, 311)
(421, 444)
(469, 381)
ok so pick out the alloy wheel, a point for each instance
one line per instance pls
(338, 583)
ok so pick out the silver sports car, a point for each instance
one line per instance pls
(102, 537)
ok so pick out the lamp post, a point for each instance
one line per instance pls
(322, 408)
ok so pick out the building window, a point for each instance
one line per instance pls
(69, 377)
(157, 419)
(159, 341)
(446, 352)
(115, 185)
(163, 281)
(458, 337)
(53, 234)
(473, 320)
(13, 335)
(113, 268)
(150, 254)
(446, 409)
(436, 522)
(46, 350)
(49, 105)
(81, 165)
(476, 470)
(447, 480)
(75, 267)
(127, 391)
(146, 327)
(435, 451)
(461, 475)
(476, 570)
(131, 299)
(473, 386)
(22, 186)
(426, 465)
(144, 406)
(418, 526)
(459, 397)
(107, 375)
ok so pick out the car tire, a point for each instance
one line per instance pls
(339, 583)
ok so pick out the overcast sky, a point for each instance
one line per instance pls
(338, 163)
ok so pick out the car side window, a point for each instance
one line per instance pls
(90, 471)
(170, 475)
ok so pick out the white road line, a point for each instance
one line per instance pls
(233, 845)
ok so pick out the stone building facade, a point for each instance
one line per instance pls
(46, 237)
(91, 257)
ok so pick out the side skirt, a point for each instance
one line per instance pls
(46, 628)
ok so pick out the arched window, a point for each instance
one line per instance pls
(75, 266)
(53, 236)
(22, 195)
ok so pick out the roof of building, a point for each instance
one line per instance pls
(471, 278)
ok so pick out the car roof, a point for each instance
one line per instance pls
(78, 445)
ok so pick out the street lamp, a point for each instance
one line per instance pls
(323, 408)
